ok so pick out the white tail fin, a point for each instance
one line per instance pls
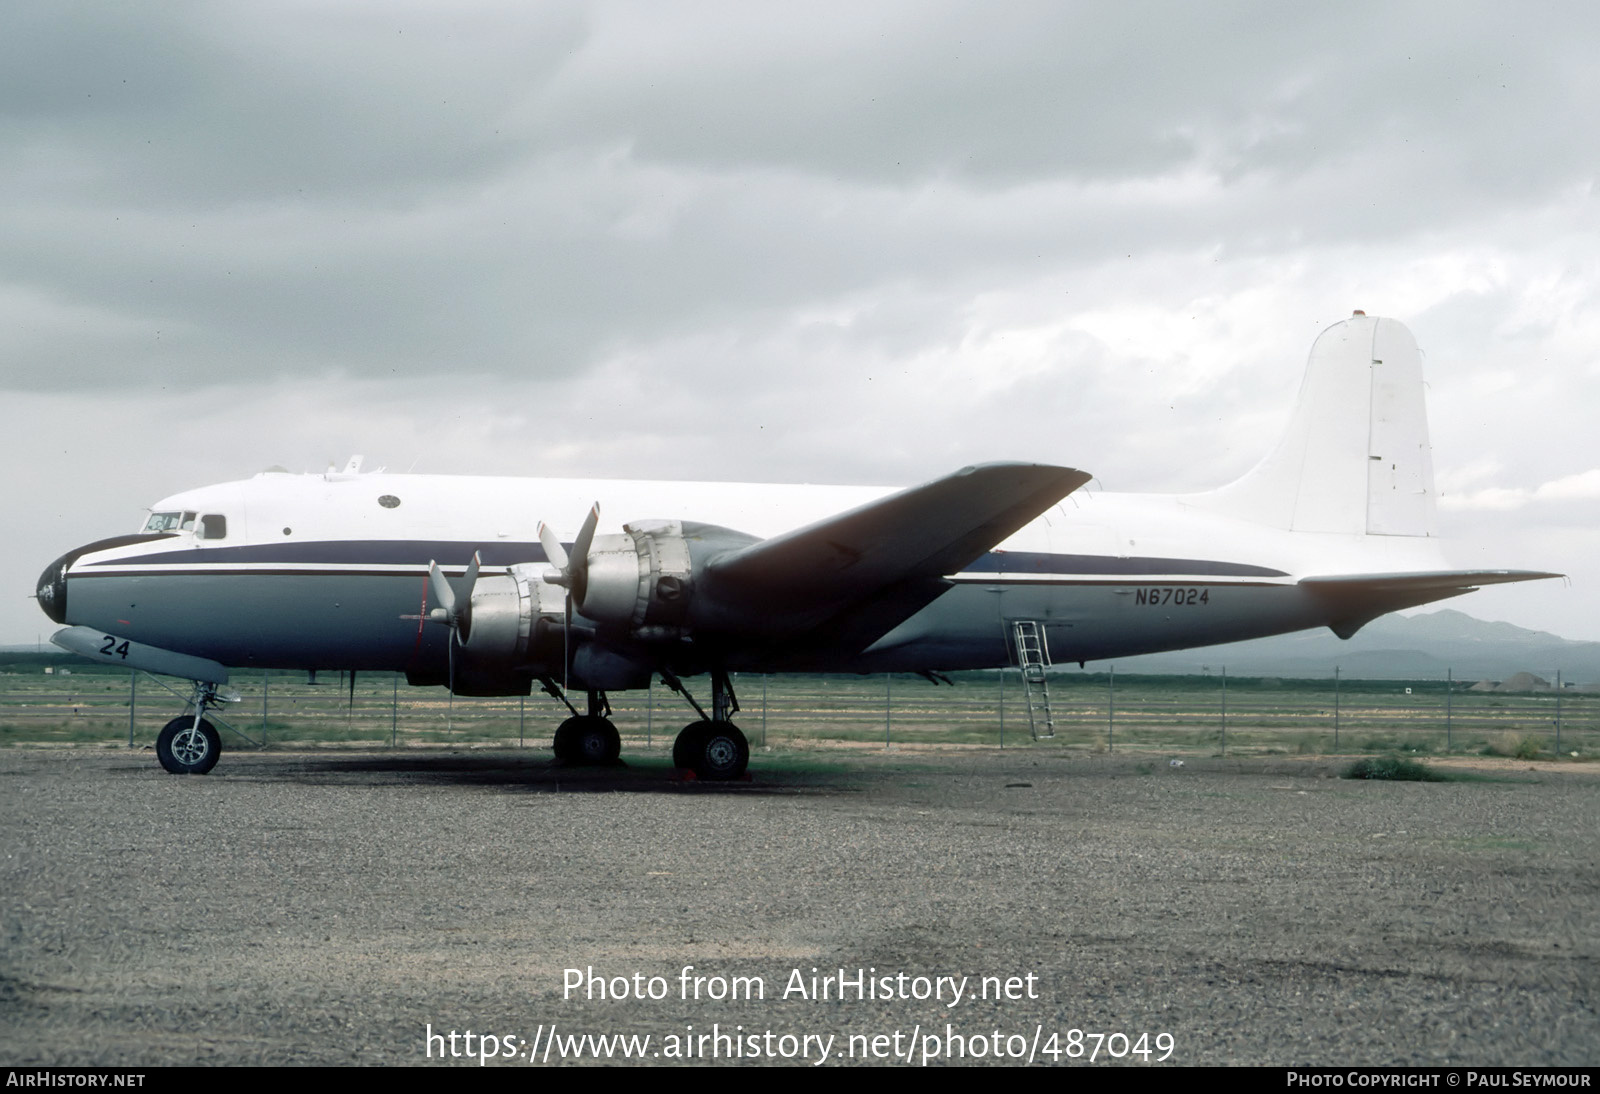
(1355, 458)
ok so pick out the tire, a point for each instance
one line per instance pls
(598, 742)
(563, 741)
(688, 744)
(725, 754)
(185, 749)
(588, 739)
(715, 751)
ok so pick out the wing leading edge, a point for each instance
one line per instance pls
(925, 532)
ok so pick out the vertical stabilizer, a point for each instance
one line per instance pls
(1355, 458)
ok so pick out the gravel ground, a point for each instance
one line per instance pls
(333, 907)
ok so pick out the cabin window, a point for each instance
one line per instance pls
(213, 526)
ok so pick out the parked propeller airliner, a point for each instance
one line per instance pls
(455, 581)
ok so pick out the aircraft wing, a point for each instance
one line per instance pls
(919, 534)
(1361, 598)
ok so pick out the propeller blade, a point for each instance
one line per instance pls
(442, 592)
(578, 569)
(556, 553)
(580, 546)
(462, 621)
(571, 572)
(454, 609)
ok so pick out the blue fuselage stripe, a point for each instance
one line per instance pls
(398, 553)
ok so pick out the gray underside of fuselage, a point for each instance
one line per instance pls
(370, 622)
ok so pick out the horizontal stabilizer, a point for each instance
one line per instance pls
(1361, 598)
(1462, 580)
(927, 531)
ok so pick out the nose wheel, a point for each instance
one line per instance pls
(188, 746)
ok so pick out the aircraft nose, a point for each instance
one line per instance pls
(52, 590)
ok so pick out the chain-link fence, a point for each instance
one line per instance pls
(1207, 714)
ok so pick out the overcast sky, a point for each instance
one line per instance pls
(859, 242)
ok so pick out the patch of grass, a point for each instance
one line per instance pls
(1395, 745)
(1520, 746)
(1393, 768)
(1529, 747)
(71, 732)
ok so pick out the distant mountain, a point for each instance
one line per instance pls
(1393, 647)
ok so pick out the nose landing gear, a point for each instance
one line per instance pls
(190, 745)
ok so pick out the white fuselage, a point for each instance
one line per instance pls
(330, 571)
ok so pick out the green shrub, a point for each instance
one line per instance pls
(1523, 746)
(1394, 768)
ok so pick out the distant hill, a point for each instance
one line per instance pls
(1393, 647)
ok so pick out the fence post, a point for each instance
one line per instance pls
(887, 677)
(133, 702)
(266, 677)
(1224, 710)
(1002, 707)
(1111, 709)
(1336, 708)
(1558, 712)
(394, 710)
(1449, 687)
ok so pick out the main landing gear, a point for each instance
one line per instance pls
(712, 750)
(713, 747)
(588, 738)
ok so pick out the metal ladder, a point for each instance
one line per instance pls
(1033, 657)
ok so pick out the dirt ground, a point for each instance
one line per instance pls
(340, 907)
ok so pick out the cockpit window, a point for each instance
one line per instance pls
(172, 522)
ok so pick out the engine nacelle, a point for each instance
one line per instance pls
(513, 618)
(643, 579)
